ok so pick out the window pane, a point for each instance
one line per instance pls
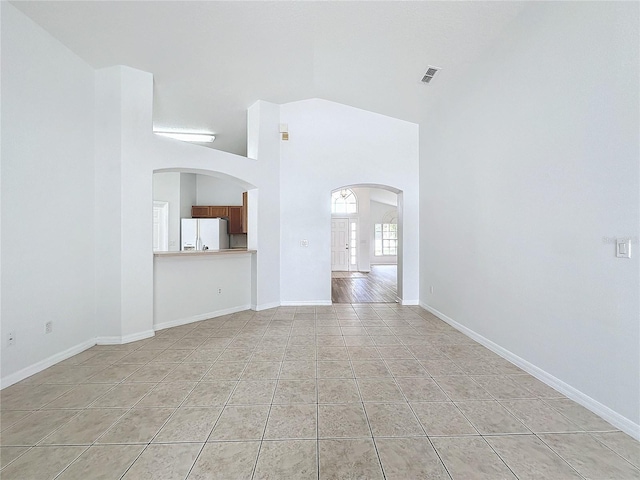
(344, 201)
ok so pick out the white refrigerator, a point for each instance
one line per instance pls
(204, 234)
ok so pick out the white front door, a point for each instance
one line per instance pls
(339, 244)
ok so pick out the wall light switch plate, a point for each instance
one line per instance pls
(623, 247)
(304, 243)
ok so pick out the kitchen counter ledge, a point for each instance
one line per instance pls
(192, 253)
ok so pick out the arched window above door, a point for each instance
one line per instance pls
(344, 201)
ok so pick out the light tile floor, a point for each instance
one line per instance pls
(343, 392)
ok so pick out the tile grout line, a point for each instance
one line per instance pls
(366, 416)
(413, 411)
(266, 421)
(245, 331)
(182, 403)
(315, 336)
(197, 457)
(559, 456)
(170, 416)
(637, 467)
(119, 418)
(80, 410)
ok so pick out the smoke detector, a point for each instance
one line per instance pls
(431, 72)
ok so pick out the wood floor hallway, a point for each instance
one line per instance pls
(378, 286)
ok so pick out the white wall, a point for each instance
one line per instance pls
(142, 154)
(176, 301)
(331, 146)
(379, 214)
(108, 205)
(188, 193)
(528, 166)
(166, 188)
(216, 191)
(139, 155)
(47, 197)
(96, 281)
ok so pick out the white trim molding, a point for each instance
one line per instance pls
(46, 363)
(307, 303)
(614, 418)
(409, 302)
(116, 340)
(265, 306)
(199, 318)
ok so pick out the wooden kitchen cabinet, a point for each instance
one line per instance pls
(218, 212)
(237, 215)
(235, 220)
(202, 211)
(199, 212)
(244, 212)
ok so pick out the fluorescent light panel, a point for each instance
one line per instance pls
(189, 137)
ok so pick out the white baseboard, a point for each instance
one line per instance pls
(409, 302)
(117, 340)
(198, 318)
(265, 306)
(46, 363)
(134, 337)
(307, 303)
(614, 418)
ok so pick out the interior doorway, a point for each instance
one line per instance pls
(365, 244)
(339, 244)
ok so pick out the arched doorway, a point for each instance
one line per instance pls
(366, 244)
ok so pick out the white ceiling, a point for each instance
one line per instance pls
(383, 196)
(212, 60)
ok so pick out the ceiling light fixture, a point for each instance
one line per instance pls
(189, 136)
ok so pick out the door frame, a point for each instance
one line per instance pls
(354, 220)
(161, 208)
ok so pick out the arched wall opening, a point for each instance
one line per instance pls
(188, 288)
(183, 188)
(361, 225)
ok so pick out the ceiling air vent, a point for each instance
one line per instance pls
(431, 72)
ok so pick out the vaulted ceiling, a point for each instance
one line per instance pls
(212, 60)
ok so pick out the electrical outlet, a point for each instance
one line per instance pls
(11, 339)
(219, 291)
(48, 327)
